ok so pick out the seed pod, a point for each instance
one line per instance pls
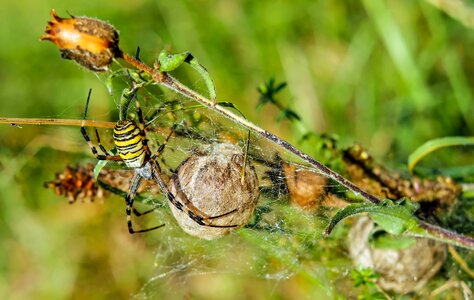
(90, 42)
(210, 179)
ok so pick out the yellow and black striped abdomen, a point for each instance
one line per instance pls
(130, 143)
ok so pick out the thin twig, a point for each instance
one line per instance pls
(445, 235)
(57, 122)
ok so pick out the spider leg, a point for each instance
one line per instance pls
(106, 155)
(138, 214)
(102, 148)
(192, 211)
(132, 191)
(163, 145)
(141, 126)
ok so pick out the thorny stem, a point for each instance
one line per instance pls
(168, 81)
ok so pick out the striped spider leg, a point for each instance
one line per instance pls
(130, 159)
(192, 211)
(132, 147)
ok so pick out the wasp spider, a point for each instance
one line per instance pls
(132, 147)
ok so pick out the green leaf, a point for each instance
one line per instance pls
(170, 62)
(211, 87)
(98, 167)
(436, 144)
(288, 114)
(231, 105)
(267, 93)
(280, 86)
(109, 80)
(364, 277)
(383, 240)
(394, 217)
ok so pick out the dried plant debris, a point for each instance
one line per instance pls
(90, 42)
(78, 183)
(310, 190)
(440, 193)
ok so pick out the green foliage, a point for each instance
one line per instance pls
(387, 74)
(395, 217)
(267, 93)
(382, 240)
(170, 62)
(432, 145)
(365, 278)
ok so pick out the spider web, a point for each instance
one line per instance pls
(282, 240)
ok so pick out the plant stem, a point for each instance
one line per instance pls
(168, 81)
(447, 236)
(60, 122)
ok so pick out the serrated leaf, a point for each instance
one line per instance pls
(348, 211)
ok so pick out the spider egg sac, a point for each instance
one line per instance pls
(210, 180)
(90, 42)
(404, 270)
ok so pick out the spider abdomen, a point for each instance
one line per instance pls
(130, 143)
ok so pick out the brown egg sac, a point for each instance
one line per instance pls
(90, 42)
(308, 189)
(210, 180)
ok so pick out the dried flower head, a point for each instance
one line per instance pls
(76, 183)
(210, 179)
(90, 42)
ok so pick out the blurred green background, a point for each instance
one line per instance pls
(389, 75)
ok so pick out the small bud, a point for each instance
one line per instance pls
(90, 42)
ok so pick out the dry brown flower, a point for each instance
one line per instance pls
(90, 42)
